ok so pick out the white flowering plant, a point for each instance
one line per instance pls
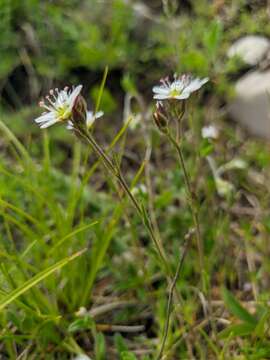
(69, 107)
(179, 89)
(129, 260)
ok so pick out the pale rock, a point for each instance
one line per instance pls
(251, 105)
(251, 49)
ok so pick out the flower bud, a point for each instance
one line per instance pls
(79, 112)
(160, 117)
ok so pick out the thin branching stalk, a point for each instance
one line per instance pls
(116, 172)
(195, 215)
(191, 199)
(175, 296)
(170, 297)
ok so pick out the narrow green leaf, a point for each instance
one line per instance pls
(19, 211)
(84, 323)
(71, 234)
(13, 295)
(236, 308)
(119, 343)
(243, 329)
(101, 89)
(100, 346)
(21, 149)
(262, 324)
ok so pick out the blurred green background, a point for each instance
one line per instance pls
(49, 43)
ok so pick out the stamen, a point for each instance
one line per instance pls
(51, 92)
(50, 101)
(165, 81)
(49, 108)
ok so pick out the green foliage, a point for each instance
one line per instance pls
(68, 41)
(13, 295)
(120, 344)
(108, 103)
(34, 34)
(100, 346)
(236, 308)
(82, 324)
(126, 355)
(254, 326)
(55, 200)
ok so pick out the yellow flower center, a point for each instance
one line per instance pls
(174, 93)
(63, 113)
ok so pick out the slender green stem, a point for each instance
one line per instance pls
(144, 216)
(146, 220)
(170, 298)
(195, 215)
(116, 172)
(192, 201)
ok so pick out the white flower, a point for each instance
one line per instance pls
(210, 132)
(58, 107)
(90, 119)
(179, 89)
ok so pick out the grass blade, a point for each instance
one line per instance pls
(101, 89)
(13, 295)
(237, 309)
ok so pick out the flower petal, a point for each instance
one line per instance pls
(73, 96)
(70, 125)
(195, 84)
(48, 123)
(182, 96)
(91, 117)
(161, 90)
(45, 117)
(161, 96)
(177, 85)
(99, 114)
